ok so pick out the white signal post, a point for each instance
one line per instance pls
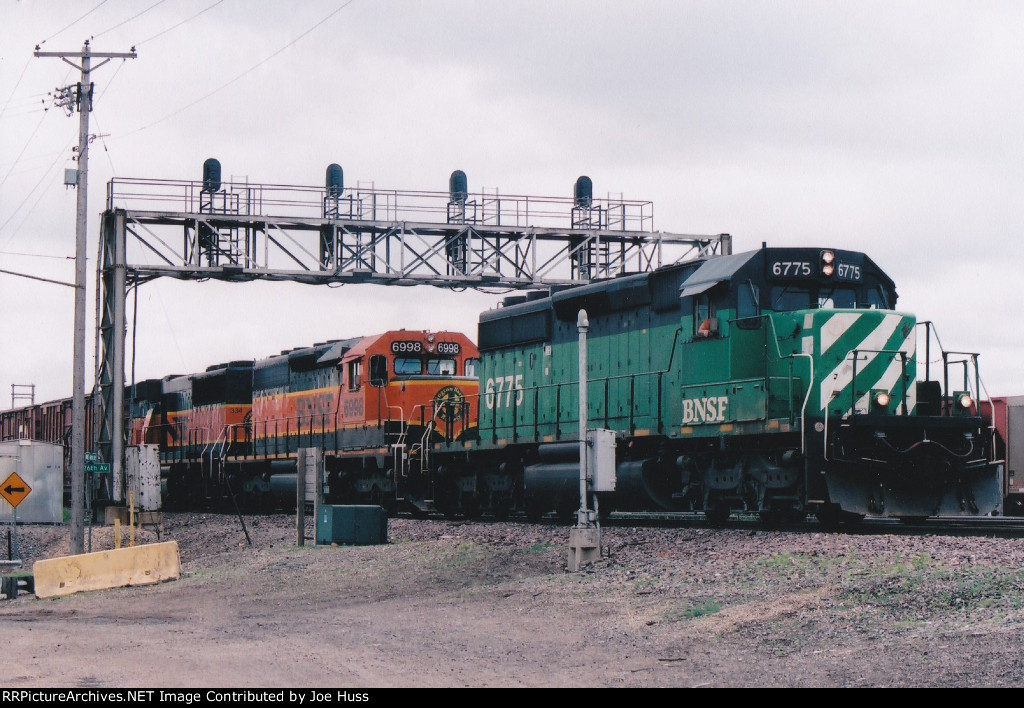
(84, 100)
(585, 536)
(583, 517)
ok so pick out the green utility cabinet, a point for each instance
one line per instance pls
(351, 525)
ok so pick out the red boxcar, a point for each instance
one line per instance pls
(1006, 414)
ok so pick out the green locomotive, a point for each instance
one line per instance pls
(780, 381)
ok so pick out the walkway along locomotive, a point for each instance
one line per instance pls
(780, 381)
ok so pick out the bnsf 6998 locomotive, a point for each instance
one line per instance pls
(370, 404)
(781, 381)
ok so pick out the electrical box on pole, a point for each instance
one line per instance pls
(601, 460)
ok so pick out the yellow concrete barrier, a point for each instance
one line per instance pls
(137, 565)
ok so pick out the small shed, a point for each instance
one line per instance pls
(31, 479)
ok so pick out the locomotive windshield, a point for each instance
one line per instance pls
(410, 366)
(789, 297)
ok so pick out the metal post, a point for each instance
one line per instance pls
(15, 554)
(583, 325)
(300, 497)
(585, 536)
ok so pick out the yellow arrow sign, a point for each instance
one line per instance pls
(14, 489)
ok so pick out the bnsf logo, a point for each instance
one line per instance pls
(705, 410)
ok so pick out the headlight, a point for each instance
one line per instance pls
(828, 265)
(880, 401)
(965, 401)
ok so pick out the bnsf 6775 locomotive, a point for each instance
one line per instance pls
(781, 381)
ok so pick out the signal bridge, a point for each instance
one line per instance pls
(242, 231)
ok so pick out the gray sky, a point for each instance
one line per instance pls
(889, 127)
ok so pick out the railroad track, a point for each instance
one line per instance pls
(999, 525)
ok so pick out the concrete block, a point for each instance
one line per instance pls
(136, 565)
(112, 513)
(584, 546)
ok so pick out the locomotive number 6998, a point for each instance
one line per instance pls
(406, 347)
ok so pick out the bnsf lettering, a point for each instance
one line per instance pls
(705, 410)
(319, 404)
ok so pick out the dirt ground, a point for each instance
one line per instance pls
(453, 604)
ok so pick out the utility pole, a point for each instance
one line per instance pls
(84, 104)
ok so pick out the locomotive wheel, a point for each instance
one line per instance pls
(501, 511)
(775, 518)
(717, 514)
(472, 510)
(415, 510)
(567, 512)
(267, 503)
(534, 511)
(831, 516)
(376, 496)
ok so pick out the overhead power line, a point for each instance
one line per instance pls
(170, 29)
(124, 22)
(72, 24)
(239, 76)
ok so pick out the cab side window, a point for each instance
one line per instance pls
(355, 371)
(704, 324)
(378, 370)
(748, 306)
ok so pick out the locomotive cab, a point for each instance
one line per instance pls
(421, 380)
(810, 343)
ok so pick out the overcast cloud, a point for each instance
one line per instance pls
(888, 127)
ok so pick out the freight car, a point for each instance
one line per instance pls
(780, 381)
(1005, 414)
(372, 405)
(48, 422)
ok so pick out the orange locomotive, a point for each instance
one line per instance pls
(373, 405)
